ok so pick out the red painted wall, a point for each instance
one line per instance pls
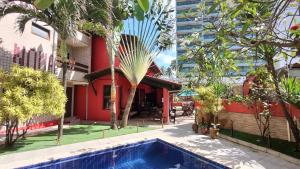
(275, 109)
(80, 102)
(95, 102)
(99, 58)
(35, 126)
(96, 109)
(159, 96)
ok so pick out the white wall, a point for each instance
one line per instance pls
(13, 42)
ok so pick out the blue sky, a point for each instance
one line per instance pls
(165, 58)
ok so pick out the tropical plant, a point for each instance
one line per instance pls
(219, 89)
(211, 104)
(148, 32)
(261, 95)
(62, 16)
(28, 93)
(105, 19)
(43, 4)
(291, 90)
(258, 29)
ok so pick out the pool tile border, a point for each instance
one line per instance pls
(88, 154)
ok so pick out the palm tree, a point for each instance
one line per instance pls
(105, 19)
(148, 33)
(62, 16)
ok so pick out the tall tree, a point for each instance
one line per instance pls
(255, 25)
(62, 16)
(105, 18)
(149, 31)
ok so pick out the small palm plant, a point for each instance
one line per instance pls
(147, 33)
(291, 89)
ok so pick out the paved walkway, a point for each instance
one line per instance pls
(181, 134)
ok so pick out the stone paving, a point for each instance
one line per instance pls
(222, 151)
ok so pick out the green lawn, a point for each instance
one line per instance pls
(279, 145)
(74, 134)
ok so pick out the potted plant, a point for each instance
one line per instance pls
(211, 106)
(203, 129)
(217, 108)
(214, 131)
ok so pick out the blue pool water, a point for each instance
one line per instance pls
(152, 154)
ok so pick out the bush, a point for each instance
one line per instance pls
(28, 93)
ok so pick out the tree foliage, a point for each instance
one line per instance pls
(262, 95)
(262, 29)
(214, 58)
(28, 93)
(291, 90)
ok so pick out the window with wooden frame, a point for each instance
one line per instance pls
(106, 97)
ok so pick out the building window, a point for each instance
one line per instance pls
(106, 97)
(40, 31)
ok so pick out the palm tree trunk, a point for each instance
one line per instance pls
(111, 55)
(293, 126)
(61, 120)
(113, 99)
(128, 106)
(63, 54)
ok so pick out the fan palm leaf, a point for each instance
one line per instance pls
(144, 38)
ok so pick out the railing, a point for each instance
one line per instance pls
(74, 66)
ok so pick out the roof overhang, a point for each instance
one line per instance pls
(152, 81)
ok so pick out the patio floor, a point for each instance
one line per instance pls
(181, 134)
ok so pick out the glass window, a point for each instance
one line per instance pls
(106, 97)
(209, 36)
(40, 31)
(188, 2)
(189, 27)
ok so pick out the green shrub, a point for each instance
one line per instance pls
(28, 93)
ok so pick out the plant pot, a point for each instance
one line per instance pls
(213, 133)
(195, 128)
(203, 130)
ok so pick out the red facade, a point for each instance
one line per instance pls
(90, 105)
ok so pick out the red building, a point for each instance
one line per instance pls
(91, 102)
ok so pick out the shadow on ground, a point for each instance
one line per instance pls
(218, 150)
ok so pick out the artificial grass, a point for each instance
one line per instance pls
(279, 145)
(74, 134)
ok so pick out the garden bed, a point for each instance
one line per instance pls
(282, 146)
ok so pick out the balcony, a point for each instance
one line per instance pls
(76, 72)
(79, 54)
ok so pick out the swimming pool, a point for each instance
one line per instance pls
(151, 154)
